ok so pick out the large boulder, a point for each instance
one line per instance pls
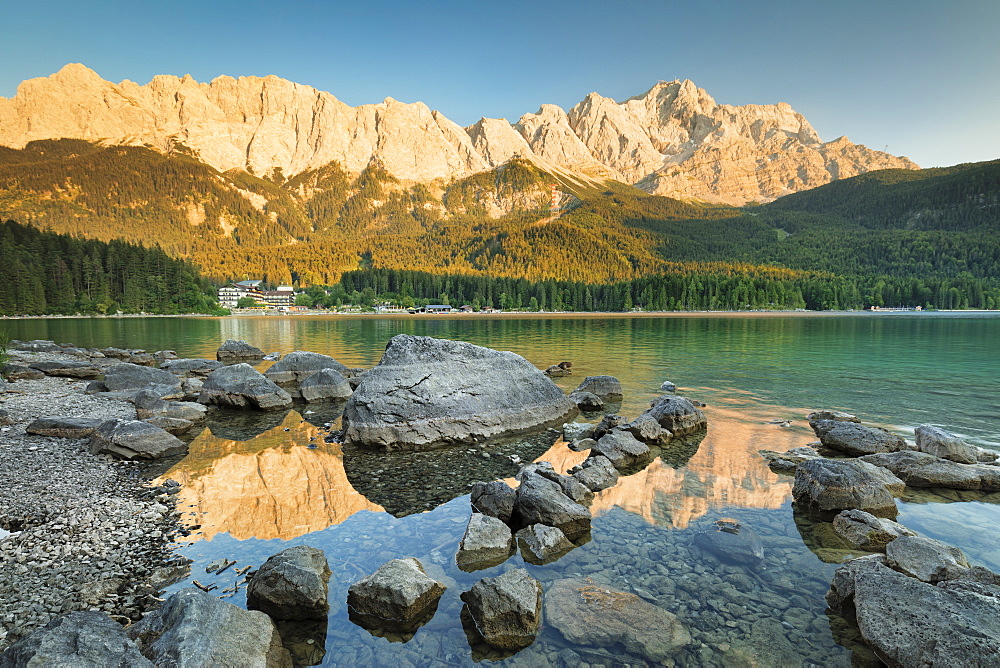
(507, 609)
(542, 501)
(68, 369)
(63, 427)
(867, 532)
(148, 404)
(925, 559)
(487, 542)
(132, 439)
(238, 351)
(607, 388)
(292, 584)
(495, 499)
(399, 593)
(427, 393)
(919, 469)
(242, 386)
(832, 484)
(594, 615)
(299, 365)
(76, 640)
(938, 442)
(855, 439)
(326, 384)
(194, 628)
(912, 623)
(125, 377)
(622, 449)
(677, 415)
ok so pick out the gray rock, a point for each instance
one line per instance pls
(325, 384)
(919, 469)
(557, 371)
(541, 544)
(238, 351)
(495, 499)
(733, 542)
(116, 353)
(428, 393)
(594, 615)
(143, 358)
(912, 623)
(607, 423)
(175, 426)
(193, 628)
(837, 416)
(541, 501)
(855, 439)
(582, 444)
(162, 355)
(36, 346)
(587, 401)
(299, 365)
(573, 431)
(841, 594)
(677, 415)
(487, 542)
(17, 372)
(571, 487)
(646, 429)
(63, 427)
(68, 369)
(242, 386)
(597, 473)
(5, 418)
(867, 532)
(787, 461)
(938, 442)
(399, 591)
(830, 484)
(148, 404)
(292, 584)
(667, 386)
(608, 388)
(506, 609)
(76, 640)
(191, 367)
(127, 376)
(132, 439)
(622, 449)
(926, 559)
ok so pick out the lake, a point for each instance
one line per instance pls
(256, 485)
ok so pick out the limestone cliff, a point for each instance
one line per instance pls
(673, 140)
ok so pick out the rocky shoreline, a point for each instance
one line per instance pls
(86, 532)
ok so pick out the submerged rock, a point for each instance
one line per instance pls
(238, 351)
(919, 469)
(242, 386)
(399, 593)
(132, 439)
(867, 532)
(76, 639)
(487, 542)
(292, 584)
(831, 484)
(194, 628)
(506, 609)
(428, 393)
(855, 439)
(594, 615)
(938, 442)
(733, 542)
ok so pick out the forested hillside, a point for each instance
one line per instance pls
(46, 272)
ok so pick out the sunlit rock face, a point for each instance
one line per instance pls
(674, 139)
(273, 486)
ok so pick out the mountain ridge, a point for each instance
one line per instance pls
(672, 140)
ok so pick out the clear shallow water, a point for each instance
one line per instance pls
(257, 489)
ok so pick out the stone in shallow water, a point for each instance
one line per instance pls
(573, 431)
(926, 559)
(487, 542)
(854, 439)
(238, 351)
(541, 501)
(867, 532)
(292, 584)
(326, 384)
(830, 484)
(678, 415)
(132, 439)
(495, 499)
(399, 594)
(506, 609)
(542, 544)
(919, 469)
(622, 449)
(76, 639)
(594, 615)
(938, 442)
(597, 473)
(608, 388)
(242, 386)
(739, 544)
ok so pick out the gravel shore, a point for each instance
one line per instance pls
(85, 532)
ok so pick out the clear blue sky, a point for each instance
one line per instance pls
(921, 77)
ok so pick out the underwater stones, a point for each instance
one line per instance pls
(622, 449)
(132, 439)
(76, 639)
(607, 388)
(919, 469)
(398, 594)
(238, 351)
(427, 393)
(63, 427)
(829, 484)
(855, 439)
(495, 499)
(487, 542)
(542, 501)
(940, 443)
(242, 386)
(733, 542)
(292, 584)
(541, 544)
(326, 384)
(507, 609)
(592, 614)
(925, 559)
(597, 473)
(867, 532)
(194, 628)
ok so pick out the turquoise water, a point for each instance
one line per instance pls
(256, 491)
